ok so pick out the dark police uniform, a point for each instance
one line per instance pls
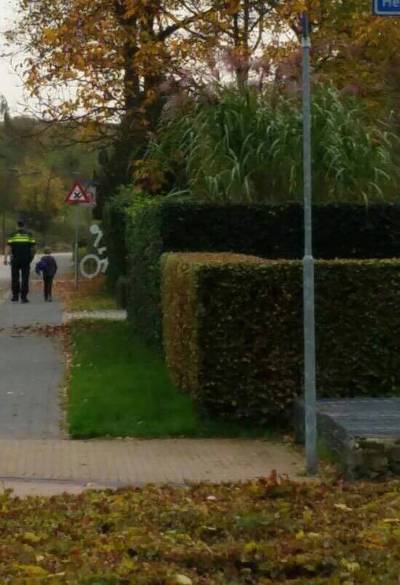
(22, 245)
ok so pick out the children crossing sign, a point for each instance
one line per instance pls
(386, 7)
(78, 195)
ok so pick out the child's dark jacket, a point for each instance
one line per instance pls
(47, 266)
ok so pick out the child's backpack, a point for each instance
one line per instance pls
(47, 265)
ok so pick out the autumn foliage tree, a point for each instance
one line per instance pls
(110, 58)
(40, 194)
(352, 48)
(102, 65)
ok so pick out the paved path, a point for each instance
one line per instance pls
(36, 312)
(108, 315)
(114, 463)
(35, 457)
(31, 366)
(31, 370)
(64, 261)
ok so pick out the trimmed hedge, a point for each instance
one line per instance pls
(114, 224)
(145, 246)
(155, 226)
(233, 330)
(340, 231)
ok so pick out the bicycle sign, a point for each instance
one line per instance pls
(92, 265)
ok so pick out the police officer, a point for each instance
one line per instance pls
(21, 247)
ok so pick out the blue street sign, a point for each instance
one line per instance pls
(386, 7)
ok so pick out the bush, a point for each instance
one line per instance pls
(145, 246)
(121, 290)
(155, 226)
(339, 230)
(114, 223)
(233, 331)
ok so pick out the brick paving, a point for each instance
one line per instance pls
(117, 463)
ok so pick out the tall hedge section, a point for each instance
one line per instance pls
(233, 332)
(155, 226)
(114, 223)
(145, 245)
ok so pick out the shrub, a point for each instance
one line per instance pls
(145, 246)
(121, 290)
(233, 333)
(114, 223)
(155, 226)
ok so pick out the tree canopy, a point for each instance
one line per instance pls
(110, 67)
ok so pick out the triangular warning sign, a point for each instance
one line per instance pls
(78, 195)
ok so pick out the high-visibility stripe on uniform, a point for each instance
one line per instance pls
(21, 240)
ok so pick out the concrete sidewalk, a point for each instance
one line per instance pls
(31, 367)
(36, 458)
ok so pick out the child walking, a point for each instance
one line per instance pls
(48, 267)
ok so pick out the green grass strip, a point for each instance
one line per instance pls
(119, 388)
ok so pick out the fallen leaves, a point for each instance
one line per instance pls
(179, 580)
(264, 532)
(343, 508)
(31, 538)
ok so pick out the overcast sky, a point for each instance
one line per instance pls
(10, 84)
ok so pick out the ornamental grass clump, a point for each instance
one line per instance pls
(247, 147)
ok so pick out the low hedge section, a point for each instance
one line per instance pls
(156, 226)
(233, 330)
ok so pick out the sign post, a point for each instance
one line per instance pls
(310, 398)
(76, 247)
(386, 7)
(77, 196)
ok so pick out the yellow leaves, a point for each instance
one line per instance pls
(179, 579)
(127, 566)
(149, 174)
(79, 62)
(233, 7)
(391, 520)
(343, 508)
(32, 570)
(307, 517)
(350, 566)
(31, 538)
(49, 35)
(301, 535)
(151, 96)
(32, 573)
(250, 547)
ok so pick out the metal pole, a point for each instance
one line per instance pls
(308, 266)
(3, 229)
(76, 246)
